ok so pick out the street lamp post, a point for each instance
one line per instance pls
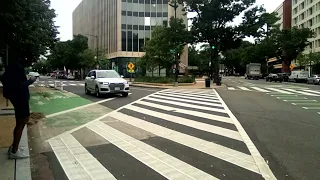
(97, 46)
(175, 7)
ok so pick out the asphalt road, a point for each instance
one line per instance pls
(286, 135)
(155, 134)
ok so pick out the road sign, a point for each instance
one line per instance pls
(172, 51)
(130, 71)
(131, 66)
(291, 66)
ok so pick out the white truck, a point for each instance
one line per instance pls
(253, 71)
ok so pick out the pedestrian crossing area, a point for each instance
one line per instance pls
(279, 89)
(171, 134)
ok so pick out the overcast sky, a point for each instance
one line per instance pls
(64, 9)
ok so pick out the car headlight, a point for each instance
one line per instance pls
(105, 83)
(125, 82)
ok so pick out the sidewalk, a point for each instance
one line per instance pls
(11, 169)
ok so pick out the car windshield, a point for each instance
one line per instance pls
(107, 74)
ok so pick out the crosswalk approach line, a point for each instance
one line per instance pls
(166, 165)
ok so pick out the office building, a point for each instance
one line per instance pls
(121, 27)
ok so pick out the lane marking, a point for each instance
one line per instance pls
(231, 88)
(185, 100)
(165, 164)
(73, 157)
(318, 112)
(192, 95)
(191, 123)
(188, 112)
(283, 95)
(97, 119)
(279, 90)
(226, 154)
(301, 92)
(312, 108)
(259, 89)
(291, 98)
(190, 105)
(312, 91)
(310, 104)
(300, 100)
(190, 98)
(259, 160)
(244, 88)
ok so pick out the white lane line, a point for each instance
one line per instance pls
(77, 108)
(203, 93)
(191, 123)
(312, 108)
(312, 91)
(259, 89)
(68, 162)
(318, 112)
(72, 84)
(300, 100)
(231, 88)
(244, 88)
(166, 165)
(264, 169)
(190, 105)
(81, 84)
(51, 85)
(227, 154)
(188, 112)
(190, 98)
(301, 92)
(206, 96)
(279, 90)
(97, 119)
(90, 164)
(284, 95)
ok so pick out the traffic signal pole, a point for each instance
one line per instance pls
(175, 6)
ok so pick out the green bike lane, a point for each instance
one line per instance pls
(63, 111)
(309, 103)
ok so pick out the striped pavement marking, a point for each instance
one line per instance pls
(145, 115)
(243, 88)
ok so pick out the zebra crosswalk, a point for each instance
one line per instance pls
(170, 134)
(57, 83)
(280, 89)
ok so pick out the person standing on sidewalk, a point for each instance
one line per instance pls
(16, 89)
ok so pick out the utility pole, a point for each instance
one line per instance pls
(175, 6)
(7, 64)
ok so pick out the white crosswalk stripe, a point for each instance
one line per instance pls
(160, 114)
(291, 90)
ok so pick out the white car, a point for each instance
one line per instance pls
(34, 74)
(106, 82)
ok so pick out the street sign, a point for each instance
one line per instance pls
(130, 71)
(131, 66)
(172, 51)
(291, 66)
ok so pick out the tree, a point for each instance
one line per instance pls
(27, 28)
(212, 24)
(290, 44)
(192, 56)
(164, 40)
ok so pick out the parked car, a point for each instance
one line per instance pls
(70, 77)
(314, 79)
(106, 82)
(274, 77)
(34, 74)
(299, 76)
(284, 76)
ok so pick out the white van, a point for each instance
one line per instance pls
(299, 76)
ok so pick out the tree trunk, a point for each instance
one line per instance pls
(286, 62)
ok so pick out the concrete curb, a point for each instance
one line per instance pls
(22, 166)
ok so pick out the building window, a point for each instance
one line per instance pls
(302, 16)
(302, 5)
(295, 10)
(295, 20)
(124, 40)
(129, 37)
(135, 41)
(310, 11)
(310, 23)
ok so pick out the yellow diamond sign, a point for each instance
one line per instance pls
(291, 66)
(131, 66)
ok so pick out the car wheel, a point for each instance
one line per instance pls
(86, 90)
(97, 91)
(125, 94)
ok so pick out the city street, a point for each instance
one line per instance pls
(190, 134)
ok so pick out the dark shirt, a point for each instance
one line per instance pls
(15, 83)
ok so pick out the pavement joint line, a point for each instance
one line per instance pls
(100, 118)
(263, 167)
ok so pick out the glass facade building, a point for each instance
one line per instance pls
(122, 27)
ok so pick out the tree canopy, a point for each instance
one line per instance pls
(27, 27)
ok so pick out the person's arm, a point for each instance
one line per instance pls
(28, 82)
